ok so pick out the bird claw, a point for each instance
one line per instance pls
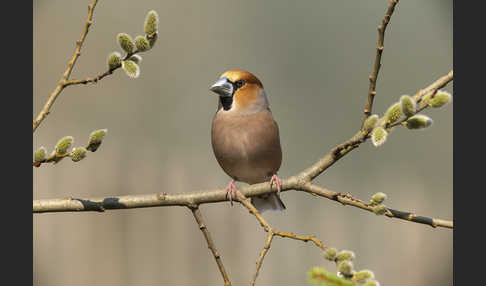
(229, 189)
(277, 181)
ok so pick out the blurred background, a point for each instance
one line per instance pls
(314, 58)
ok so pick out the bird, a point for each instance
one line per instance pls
(245, 136)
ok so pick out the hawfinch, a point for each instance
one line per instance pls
(245, 136)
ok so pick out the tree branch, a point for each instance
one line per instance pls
(440, 83)
(106, 73)
(259, 262)
(376, 68)
(271, 233)
(65, 81)
(347, 199)
(62, 82)
(246, 202)
(90, 79)
(433, 88)
(214, 196)
(342, 149)
(202, 226)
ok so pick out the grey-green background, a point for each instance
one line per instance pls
(314, 58)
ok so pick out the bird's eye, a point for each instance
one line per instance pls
(239, 83)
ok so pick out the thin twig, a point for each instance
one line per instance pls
(433, 88)
(271, 233)
(259, 262)
(246, 202)
(202, 226)
(440, 83)
(62, 82)
(100, 76)
(65, 81)
(376, 67)
(348, 200)
(90, 79)
(342, 149)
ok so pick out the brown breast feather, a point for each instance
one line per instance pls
(247, 147)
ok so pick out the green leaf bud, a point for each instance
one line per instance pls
(151, 23)
(142, 44)
(372, 283)
(126, 42)
(378, 136)
(408, 105)
(370, 123)
(346, 268)
(95, 139)
(330, 253)
(131, 68)
(63, 145)
(440, 99)
(379, 209)
(393, 113)
(40, 154)
(78, 154)
(418, 121)
(363, 275)
(114, 60)
(378, 198)
(136, 59)
(345, 255)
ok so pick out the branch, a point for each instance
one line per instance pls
(65, 81)
(259, 262)
(90, 79)
(342, 149)
(433, 88)
(207, 236)
(300, 182)
(376, 68)
(440, 83)
(106, 73)
(347, 199)
(214, 196)
(64, 144)
(62, 82)
(271, 233)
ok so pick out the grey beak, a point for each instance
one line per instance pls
(223, 87)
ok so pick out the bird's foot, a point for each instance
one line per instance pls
(229, 189)
(275, 179)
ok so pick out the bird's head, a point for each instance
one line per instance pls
(240, 92)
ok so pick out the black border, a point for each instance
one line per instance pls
(17, 103)
(468, 126)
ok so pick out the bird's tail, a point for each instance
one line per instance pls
(268, 202)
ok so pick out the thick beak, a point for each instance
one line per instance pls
(223, 87)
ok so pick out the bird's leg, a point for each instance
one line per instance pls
(229, 188)
(277, 181)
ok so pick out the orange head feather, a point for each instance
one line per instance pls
(249, 95)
